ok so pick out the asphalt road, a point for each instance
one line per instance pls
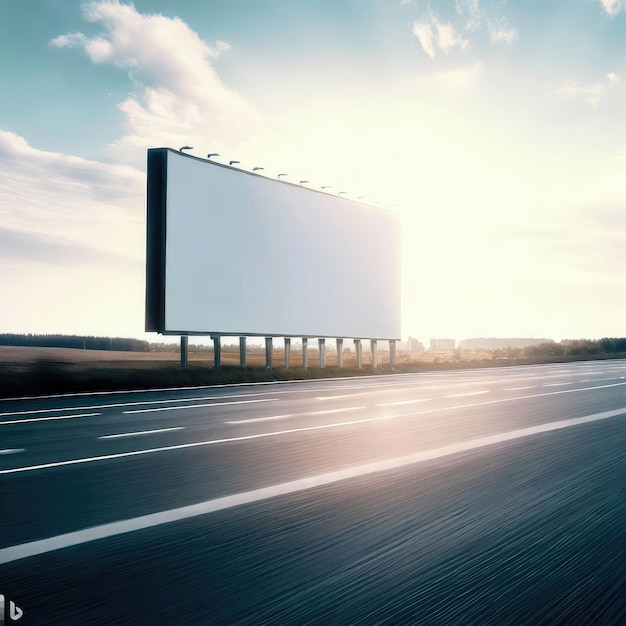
(492, 496)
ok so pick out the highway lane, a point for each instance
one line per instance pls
(211, 443)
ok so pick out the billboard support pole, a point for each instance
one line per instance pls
(392, 353)
(322, 345)
(305, 359)
(339, 352)
(217, 352)
(374, 352)
(359, 353)
(287, 352)
(184, 350)
(268, 352)
(242, 351)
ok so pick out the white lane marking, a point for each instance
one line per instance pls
(345, 395)
(403, 402)
(45, 419)
(328, 411)
(142, 432)
(470, 393)
(282, 417)
(518, 388)
(105, 531)
(11, 450)
(260, 419)
(198, 406)
(120, 404)
(556, 384)
(295, 430)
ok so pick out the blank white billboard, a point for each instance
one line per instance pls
(234, 253)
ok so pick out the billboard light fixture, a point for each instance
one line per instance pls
(233, 162)
(303, 181)
(342, 192)
(211, 154)
(185, 148)
(282, 175)
(327, 187)
(254, 169)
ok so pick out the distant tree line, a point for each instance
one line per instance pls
(577, 347)
(80, 342)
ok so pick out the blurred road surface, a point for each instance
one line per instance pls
(492, 496)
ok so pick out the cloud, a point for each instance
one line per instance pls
(613, 7)
(95, 205)
(425, 35)
(433, 33)
(33, 247)
(460, 76)
(500, 31)
(591, 93)
(179, 97)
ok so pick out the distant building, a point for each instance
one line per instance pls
(413, 346)
(442, 345)
(493, 343)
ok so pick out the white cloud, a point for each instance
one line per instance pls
(471, 18)
(180, 98)
(613, 7)
(460, 77)
(500, 31)
(591, 93)
(425, 35)
(71, 242)
(95, 205)
(446, 37)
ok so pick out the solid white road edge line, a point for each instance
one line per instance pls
(11, 450)
(470, 393)
(142, 432)
(120, 404)
(198, 406)
(43, 546)
(45, 419)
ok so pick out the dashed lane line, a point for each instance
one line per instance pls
(142, 432)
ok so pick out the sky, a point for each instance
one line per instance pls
(496, 129)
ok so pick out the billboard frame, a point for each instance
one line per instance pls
(156, 249)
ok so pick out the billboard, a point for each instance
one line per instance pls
(230, 252)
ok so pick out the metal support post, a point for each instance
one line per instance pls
(268, 352)
(305, 356)
(184, 350)
(392, 353)
(374, 352)
(287, 352)
(322, 346)
(217, 351)
(359, 353)
(339, 352)
(242, 351)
